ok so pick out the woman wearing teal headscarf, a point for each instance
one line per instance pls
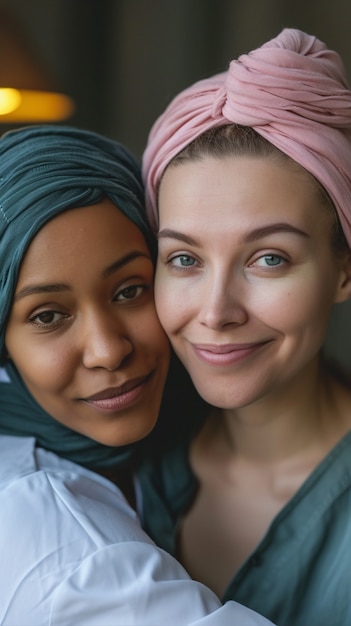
(84, 366)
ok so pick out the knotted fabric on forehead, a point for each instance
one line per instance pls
(292, 90)
(45, 170)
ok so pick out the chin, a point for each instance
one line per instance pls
(128, 433)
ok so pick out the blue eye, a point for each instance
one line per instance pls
(183, 260)
(270, 260)
(273, 259)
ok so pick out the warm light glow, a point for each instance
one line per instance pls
(10, 100)
(36, 106)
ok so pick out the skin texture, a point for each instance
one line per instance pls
(245, 308)
(83, 330)
(245, 283)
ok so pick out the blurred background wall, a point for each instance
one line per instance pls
(123, 60)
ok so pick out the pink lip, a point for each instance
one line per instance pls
(228, 354)
(119, 398)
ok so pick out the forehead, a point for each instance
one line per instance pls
(237, 183)
(81, 237)
(222, 166)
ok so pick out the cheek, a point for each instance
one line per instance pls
(46, 368)
(295, 305)
(148, 334)
(169, 303)
(158, 339)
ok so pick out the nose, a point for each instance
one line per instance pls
(105, 342)
(221, 304)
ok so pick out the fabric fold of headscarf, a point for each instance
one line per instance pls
(292, 90)
(45, 170)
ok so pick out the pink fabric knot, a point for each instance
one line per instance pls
(293, 78)
(219, 103)
(292, 90)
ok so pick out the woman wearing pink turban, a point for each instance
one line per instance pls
(248, 178)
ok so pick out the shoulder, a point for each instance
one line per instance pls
(55, 516)
(42, 488)
(75, 553)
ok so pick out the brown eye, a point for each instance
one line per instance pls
(131, 292)
(47, 318)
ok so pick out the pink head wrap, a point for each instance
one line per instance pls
(292, 90)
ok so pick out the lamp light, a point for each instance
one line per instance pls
(26, 93)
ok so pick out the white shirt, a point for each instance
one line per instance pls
(72, 553)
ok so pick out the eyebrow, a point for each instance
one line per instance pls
(168, 233)
(254, 235)
(124, 260)
(33, 289)
(282, 227)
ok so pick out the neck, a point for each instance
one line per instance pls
(309, 414)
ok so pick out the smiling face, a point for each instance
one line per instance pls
(83, 331)
(246, 275)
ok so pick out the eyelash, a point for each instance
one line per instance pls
(139, 288)
(267, 256)
(138, 291)
(172, 262)
(33, 319)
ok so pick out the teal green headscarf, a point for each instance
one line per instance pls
(45, 170)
